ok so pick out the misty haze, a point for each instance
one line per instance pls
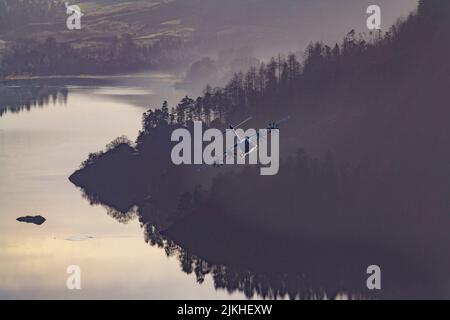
(87, 180)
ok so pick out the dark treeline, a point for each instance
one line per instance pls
(295, 82)
(321, 186)
(318, 208)
(17, 13)
(119, 54)
(363, 98)
(378, 62)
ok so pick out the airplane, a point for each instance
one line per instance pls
(248, 144)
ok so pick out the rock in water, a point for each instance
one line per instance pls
(30, 219)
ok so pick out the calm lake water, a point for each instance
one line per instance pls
(40, 146)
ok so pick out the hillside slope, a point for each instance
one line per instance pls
(212, 24)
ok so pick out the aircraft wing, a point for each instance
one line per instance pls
(220, 160)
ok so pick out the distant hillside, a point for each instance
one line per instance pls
(212, 24)
(128, 36)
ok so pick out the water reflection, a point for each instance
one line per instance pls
(38, 151)
(136, 89)
(245, 259)
(23, 98)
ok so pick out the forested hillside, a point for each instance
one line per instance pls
(19, 13)
(378, 86)
(365, 170)
(167, 34)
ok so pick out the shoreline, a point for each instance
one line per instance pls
(144, 74)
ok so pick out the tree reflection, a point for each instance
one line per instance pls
(259, 264)
(16, 99)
